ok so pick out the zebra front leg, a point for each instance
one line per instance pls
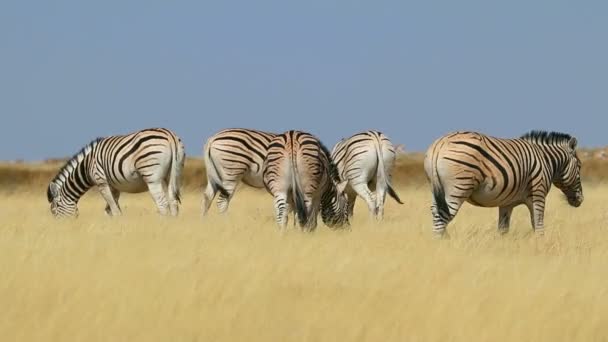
(111, 196)
(536, 206)
(504, 219)
(158, 194)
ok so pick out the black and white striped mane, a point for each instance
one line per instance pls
(544, 137)
(69, 166)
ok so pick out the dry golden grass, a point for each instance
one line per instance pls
(140, 277)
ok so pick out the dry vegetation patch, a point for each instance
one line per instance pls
(140, 277)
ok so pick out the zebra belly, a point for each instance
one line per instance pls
(490, 199)
(133, 186)
(254, 180)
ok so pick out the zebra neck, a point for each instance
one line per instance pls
(555, 158)
(329, 205)
(75, 180)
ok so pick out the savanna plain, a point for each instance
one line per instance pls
(236, 277)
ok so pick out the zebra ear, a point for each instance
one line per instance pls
(572, 143)
(341, 187)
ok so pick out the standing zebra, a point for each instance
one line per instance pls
(504, 173)
(232, 155)
(299, 173)
(366, 159)
(150, 159)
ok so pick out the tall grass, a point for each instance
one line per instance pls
(236, 277)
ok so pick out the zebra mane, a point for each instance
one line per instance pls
(70, 165)
(545, 137)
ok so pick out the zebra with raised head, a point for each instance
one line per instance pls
(366, 160)
(299, 173)
(150, 159)
(504, 173)
(232, 155)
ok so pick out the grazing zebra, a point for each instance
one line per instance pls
(232, 155)
(150, 159)
(503, 173)
(366, 159)
(299, 173)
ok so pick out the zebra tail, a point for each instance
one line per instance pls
(381, 172)
(213, 175)
(438, 191)
(177, 165)
(298, 196)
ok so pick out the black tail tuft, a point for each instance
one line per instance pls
(393, 194)
(440, 202)
(300, 208)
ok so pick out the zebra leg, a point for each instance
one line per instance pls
(443, 216)
(536, 206)
(504, 219)
(439, 223)
(312, 208)
(173, 202)
(380, 199)
(116, 195)
(362, 190)
(111, 197)
(223, 201)
(281, 210)
(158, 194)
(208, 196)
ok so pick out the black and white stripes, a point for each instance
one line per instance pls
(299, 173)
(232, 155)
(150, 159)
(366, 160)
(492, 172)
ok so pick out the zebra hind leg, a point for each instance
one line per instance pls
(504, 219)
(281, 210)
(223, 201)
(443, 216)
(439, 223)
(380, 200)
(208, 196)
(158, 194)
(369, 197)
(173, 202)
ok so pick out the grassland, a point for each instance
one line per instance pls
(140, 277)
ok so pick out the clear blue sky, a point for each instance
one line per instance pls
(72, 71)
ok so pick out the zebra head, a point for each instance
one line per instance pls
(61, 205)
(334, 206)
(568, 178)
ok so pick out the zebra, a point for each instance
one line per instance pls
(150, 159)
(232, 155)
(494, 172)
(366, 159)
(299, 173)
